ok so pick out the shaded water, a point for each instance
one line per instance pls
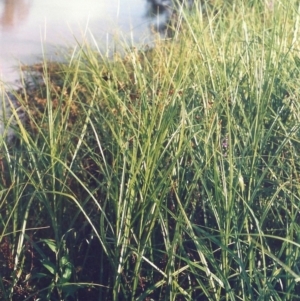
(28, 26)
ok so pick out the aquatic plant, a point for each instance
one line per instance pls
(168, 173)
(10, 114)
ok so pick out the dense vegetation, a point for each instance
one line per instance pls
(169, 173)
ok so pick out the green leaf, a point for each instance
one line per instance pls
(49, 266)
(50, 243)
(66, 268)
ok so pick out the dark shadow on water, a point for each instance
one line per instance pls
(164, 12)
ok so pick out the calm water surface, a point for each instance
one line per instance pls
(29, 26)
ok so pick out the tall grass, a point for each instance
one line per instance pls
(166, 174)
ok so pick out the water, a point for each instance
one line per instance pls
(31, 29)
(28, 26)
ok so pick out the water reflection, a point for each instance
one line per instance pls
(160, 12)
(164, 12)
(13, 13)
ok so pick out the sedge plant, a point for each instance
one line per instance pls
(168, 173)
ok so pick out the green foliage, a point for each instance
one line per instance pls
(168, 174)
